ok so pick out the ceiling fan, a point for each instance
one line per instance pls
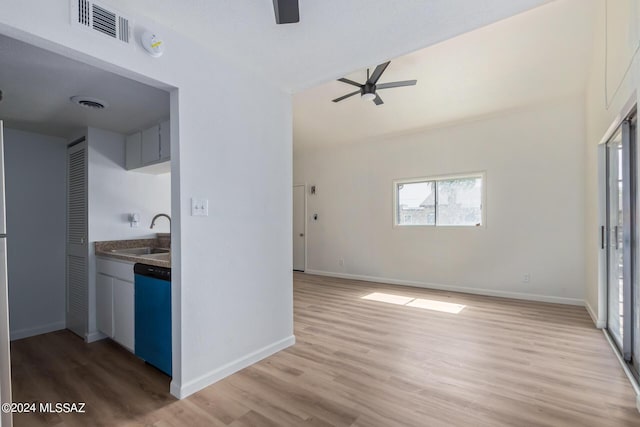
(368, 89)
(287, 11)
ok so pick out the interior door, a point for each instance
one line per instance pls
(77, 245)
(299, 215)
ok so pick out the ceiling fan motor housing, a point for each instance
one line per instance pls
(368, 88)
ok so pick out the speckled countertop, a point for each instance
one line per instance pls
(163, 241)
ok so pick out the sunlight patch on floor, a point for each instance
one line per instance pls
(391, 299)
(427, 304)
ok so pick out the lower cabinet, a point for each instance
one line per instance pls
(123, 313)
(115, 302)
(104, 304)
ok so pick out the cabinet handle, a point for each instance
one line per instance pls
(602, 237)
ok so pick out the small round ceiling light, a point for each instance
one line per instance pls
(152, 43)
(88, 102)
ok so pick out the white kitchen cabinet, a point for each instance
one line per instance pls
(115, 301)
(150, 147)
(165, 138)
(123, 313)
(104, 304)
(133, 155)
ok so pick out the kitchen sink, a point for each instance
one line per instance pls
(145, 252)
(163, 256)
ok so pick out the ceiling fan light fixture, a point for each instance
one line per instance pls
(368, 96)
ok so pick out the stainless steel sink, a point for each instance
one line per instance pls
(163, 256)
(146, 251)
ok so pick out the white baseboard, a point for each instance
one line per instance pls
(182, 391)
(90, 337)
(477, 291)
(598, 322)
(38, 330)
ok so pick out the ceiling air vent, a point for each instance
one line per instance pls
(98, 17)
(83, 13)
(87, 102)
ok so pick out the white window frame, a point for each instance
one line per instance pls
(483, 204)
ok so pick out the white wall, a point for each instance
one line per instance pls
(114, 193)
(232, 287)
(614, 80)
(35, 170)
(534, 200)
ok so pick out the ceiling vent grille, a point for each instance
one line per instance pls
(83, 13)
(98, 17)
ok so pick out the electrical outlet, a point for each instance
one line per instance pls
(199, 207)
(526, 278)
(134, 220)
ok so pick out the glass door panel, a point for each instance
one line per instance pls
(623, 324)
(615, 215)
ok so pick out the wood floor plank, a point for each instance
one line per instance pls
(358, 362)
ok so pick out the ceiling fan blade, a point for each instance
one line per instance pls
(350, 82)
(378, 100)
(396, 84)
(287, 11)
(378, 72)
(346, 96)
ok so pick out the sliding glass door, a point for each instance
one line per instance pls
(619, 236)
(615, 255)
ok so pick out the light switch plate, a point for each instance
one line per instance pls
(199, 207)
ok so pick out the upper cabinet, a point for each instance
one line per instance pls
(165, 138)
(150, 147)
(134, 151)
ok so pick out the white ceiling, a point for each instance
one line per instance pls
(333, 37)
(37, 85)
(535, 56)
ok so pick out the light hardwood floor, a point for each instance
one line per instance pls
(359, 363)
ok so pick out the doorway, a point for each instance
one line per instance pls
(299, 225)
(619, 236)
(124, 197)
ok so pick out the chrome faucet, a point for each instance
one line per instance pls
(153, 221)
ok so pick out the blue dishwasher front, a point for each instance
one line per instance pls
(153, 315)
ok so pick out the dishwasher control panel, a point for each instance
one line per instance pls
(161, 273)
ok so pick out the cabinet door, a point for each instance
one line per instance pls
(165, 140)
(133, 157)
(104, 304)
(123, 313)
(151, 145)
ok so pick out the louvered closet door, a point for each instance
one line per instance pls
(77, 247)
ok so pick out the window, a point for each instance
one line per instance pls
(440, 201)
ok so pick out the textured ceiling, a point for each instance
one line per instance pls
(333, 37)
(529, 58)
(37, 85)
